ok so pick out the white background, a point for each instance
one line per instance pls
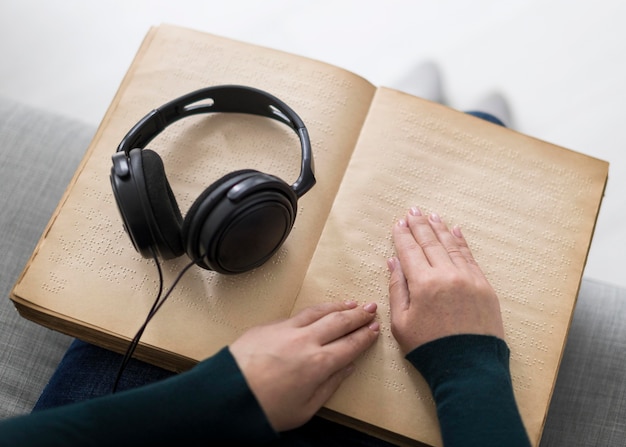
(560, 64)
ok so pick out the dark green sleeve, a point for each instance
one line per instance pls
(209, 405)
(471, 384)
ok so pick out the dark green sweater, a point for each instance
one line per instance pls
(470, 381)
(212, 404)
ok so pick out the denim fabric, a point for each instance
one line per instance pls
(486, 117)
(87, 371)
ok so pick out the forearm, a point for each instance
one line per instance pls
(471, 384)
(209, 404)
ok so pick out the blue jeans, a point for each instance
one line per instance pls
(486, 117)
(87, 371)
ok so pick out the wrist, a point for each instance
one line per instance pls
(458, 355)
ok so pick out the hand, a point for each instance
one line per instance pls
(436, 287)
(295, 365)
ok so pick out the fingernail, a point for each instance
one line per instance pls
(435, 218)
(402, 223)
(370, 307)
(350, 304)
(375, 326)
(391, 264)
(415, 211)
(457, 231)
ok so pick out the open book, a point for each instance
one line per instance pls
(527, 209)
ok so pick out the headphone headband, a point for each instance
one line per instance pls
(228, 99)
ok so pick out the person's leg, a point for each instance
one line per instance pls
(493, 108)
(425, 81)
(87, 371)
(485, 116)
(322, 432)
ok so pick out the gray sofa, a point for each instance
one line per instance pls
(39, 152)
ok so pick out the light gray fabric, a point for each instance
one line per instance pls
(39, 153)
(588, 406)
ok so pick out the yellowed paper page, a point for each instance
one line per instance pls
(526, 207)
(85, 270)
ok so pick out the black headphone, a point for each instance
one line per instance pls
(239, 221)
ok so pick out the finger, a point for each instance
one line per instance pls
(464, 249)
(336, 325)
(311, 314)
(456, 252)
(327, 388)
(409, 251)
(399, 297)
(346, 349)
(425, 236)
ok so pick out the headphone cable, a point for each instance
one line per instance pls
(158, 302)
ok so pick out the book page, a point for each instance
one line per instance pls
(86, 271)
(527, 209)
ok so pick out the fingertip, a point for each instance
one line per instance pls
(456, 230)
(370, 307)
(435, 218)
(415, 211)
(395, 267)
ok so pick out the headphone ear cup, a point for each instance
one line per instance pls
(239, 222)
(163, 204)
(204, 197)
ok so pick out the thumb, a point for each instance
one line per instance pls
(327, 388)
(398, 288)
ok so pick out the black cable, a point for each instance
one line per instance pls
(158, 302)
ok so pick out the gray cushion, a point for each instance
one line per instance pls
(39, 153)
(589, 402)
